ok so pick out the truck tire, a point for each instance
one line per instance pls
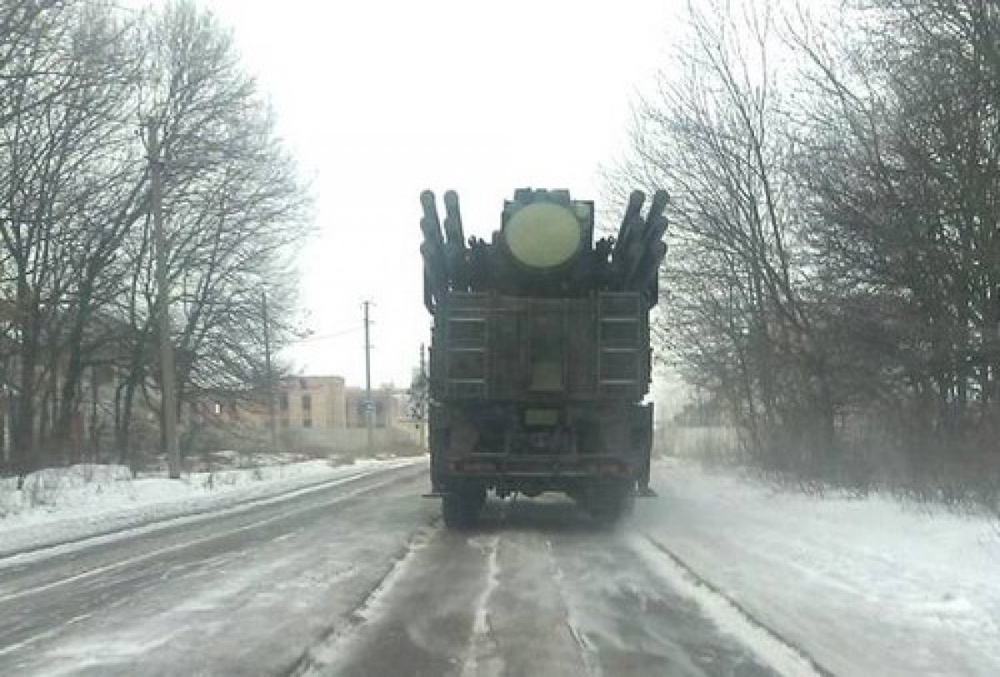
(608, 503)
(461, 504)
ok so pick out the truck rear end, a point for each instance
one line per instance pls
(540, 352)
(534, 395)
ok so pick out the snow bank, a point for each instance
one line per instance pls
(864, 586)
(65, 504)
(56, 487)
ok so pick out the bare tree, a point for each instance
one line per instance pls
(904, 182)
(739, 313)
(58, 136)
(234, 211)
(77, 80)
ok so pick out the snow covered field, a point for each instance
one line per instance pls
(865, 587)
(66, 504)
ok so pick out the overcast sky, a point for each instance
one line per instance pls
(380, 100)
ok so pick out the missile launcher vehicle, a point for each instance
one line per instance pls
(540, 355)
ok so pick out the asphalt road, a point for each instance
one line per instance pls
(359, 578)
(536, 589)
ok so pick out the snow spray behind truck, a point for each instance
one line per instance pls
(540, 357)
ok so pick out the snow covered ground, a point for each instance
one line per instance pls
(862, 586)
(865, 587)
(59, 505)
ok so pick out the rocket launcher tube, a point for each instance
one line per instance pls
(656, 226)
(454, 247)
(433, 245)
(648, 257)
(435, 276)
(645, 256)
(633, 251)
(623, 258)
(632, 214)
(650, 280)
(430, 224)
(453, 219)
(432, 249)
(656, 221)
(660, 200)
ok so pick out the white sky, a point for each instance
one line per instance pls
(382, 99)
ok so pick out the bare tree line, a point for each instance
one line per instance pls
(833, 284)
(78, 81)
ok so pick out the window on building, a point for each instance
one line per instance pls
(307, 405)
(283, 401)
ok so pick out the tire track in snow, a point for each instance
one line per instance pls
(766, 643)
(34, 639)
(588, 653)
(482, 640)
(327, 649)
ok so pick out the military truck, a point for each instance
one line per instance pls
(540, 356)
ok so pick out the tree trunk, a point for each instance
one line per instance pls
(69, 402)
(23, 452)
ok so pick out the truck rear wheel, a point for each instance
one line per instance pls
(608, 503)
(461, 505)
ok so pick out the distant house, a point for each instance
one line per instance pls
(321, 412)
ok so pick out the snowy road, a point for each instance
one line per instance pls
(243, 592)
(360, 579)
(536, 589)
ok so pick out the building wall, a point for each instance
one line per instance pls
(306, 402)
(315, 414)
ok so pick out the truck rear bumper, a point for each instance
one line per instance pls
(515, 466)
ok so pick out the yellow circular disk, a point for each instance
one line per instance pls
(543, 235)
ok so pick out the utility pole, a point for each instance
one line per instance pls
(169, 389)
(369, 405)
(269, 374)
(424, 397)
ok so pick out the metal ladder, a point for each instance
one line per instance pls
(619, 344)
(467, 347)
